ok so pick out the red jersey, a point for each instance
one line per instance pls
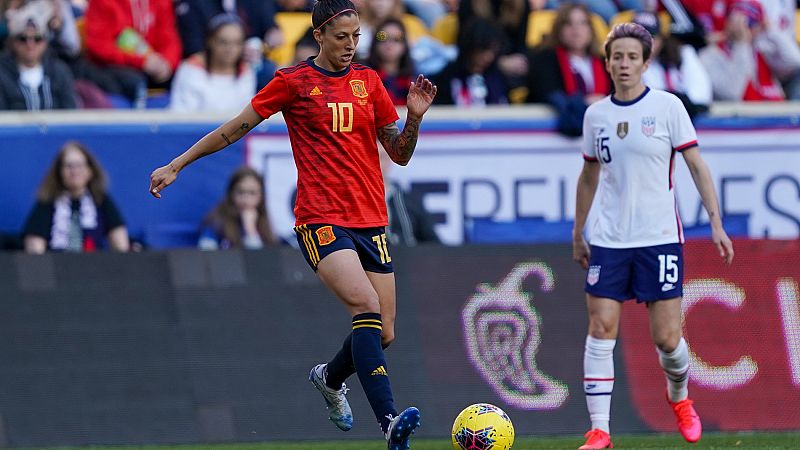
(332, 119)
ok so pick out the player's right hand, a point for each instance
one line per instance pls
(161, 178)
(581, 252)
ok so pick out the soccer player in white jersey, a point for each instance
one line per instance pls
(629, 144)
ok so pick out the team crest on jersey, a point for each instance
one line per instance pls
(359, 88)
(325, 235)
(648, 125)
(622, 129)
(593, 276)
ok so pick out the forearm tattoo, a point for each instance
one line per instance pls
(400, 145)
(241, 131)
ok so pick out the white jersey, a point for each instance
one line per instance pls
(635, 142)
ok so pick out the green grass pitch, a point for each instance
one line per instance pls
(762, 441)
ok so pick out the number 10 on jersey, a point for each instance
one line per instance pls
(342, 117)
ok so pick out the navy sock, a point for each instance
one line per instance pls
(341, 366)
(371, 366)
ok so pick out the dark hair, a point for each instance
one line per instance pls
(225, 218)
(324, 10)
(553, 39)
(630, 30)
(406, 66)
(214, 25)
(476, 35)
(53, 183)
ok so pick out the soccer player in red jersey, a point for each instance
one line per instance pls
(335, 110)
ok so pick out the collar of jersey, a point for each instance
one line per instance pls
(619, 102)
(328, 73)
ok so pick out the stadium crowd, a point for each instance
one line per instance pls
(214, 55)
(183, 54)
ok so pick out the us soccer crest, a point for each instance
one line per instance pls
(622, 129)
(325, 235)
(593, 276)
(648, 125)
(359, 89)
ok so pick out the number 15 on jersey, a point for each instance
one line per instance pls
(602, 149)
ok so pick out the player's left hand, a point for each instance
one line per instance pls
(723, 244)
(420, 96)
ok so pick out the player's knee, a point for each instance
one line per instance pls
(600, 329)
(667, 342)
(365, 302)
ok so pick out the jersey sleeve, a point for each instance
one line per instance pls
(273, 97)
(681, 131)
(385, 112)
(587, 148)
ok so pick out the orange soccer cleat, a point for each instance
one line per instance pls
(688, 421)
(595, 439)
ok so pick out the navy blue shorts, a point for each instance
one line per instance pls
(319, 241)
(644, 273)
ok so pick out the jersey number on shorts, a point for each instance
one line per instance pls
(602, 149)
(342, 117)
(380, 241)
(667, 268)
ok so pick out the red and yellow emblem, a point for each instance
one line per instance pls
(359, 88)
(325, 235)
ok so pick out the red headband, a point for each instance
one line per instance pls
(335, 15)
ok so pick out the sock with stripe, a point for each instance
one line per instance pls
(370, 366)
(676, 368)
(341, 366)
(598, 380)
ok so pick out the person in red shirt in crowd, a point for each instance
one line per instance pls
(136, 41)
(335, 110)
(740, 68)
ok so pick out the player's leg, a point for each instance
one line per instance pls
(404, 425)
(343, 274)
(317, 242)
(608, 283)
(659, 282)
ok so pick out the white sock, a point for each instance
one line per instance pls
(676, 368)
(598, 380)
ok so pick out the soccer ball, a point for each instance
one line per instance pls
(482, 427)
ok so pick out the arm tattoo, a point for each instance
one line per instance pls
(400, 145)
(243, 129)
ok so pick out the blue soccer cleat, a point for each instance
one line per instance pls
(338, 407)
(401, 428)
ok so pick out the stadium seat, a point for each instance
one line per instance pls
(540, 22)
(797, 25)
(293, 25)
(446, 29)
(415, 27)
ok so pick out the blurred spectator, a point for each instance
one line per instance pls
(391, 58)
(676, 68)
(73, 211)
(240, 220)
(570, 73)
(409, 223)
(781, 16)
(30, 78)
(710, 13)
(473, 79)
(747, 63)
(135, 41)
(257, 16)
(604, 8)
(295, 5)
(371, 15)
(305, 47)
(511, 17)
(428, 10)
(217, 79)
